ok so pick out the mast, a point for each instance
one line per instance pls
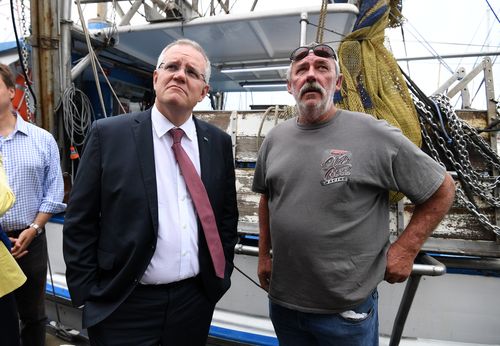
(46, 62)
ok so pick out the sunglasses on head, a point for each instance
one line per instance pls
(321, 50)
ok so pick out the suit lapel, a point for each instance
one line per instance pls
(142, 129)
(204, 147)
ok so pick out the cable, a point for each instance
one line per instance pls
(248, 277)
(61, 332)
(441, 122)
(493, 11)
(77, 114)
(406, 50)
(427, 45)
(325, 29)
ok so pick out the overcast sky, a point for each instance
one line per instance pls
(448, 27)
(445, 26)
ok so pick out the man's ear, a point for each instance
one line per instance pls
(155, 78)
(289, 87)
(338, 83)
(204, 92)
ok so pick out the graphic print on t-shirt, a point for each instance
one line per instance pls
(336, 167)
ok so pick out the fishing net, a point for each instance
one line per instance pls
(373, 82)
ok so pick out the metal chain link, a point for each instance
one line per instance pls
(25, 58)
(481, 184)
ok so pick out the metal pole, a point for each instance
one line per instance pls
(35, 73)
(65, 44)
(426, 266)
(404, 309)
(303, 28)
(253, 6)
(491, 109)
(126, 19)
(46, 58)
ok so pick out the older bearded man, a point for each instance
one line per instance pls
(325, 178)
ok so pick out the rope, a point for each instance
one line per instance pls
(321, 22)
(286, 112)
(95, 62)
(92, 56)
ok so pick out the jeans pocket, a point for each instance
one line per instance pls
(363, 311)
(356, 317)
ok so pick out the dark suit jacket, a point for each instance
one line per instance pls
(111, 222)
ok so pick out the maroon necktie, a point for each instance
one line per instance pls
(200, 199)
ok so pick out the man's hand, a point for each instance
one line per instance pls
(426, 216)
(264, 268)
(21, 243)
(399, 264)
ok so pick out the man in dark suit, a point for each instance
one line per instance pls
(135, 249)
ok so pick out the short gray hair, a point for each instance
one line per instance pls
(195, 45)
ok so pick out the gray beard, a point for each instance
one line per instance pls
(312, 113)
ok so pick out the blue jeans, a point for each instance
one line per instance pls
(295, 328)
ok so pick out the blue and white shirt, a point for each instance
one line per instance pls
(31, 161)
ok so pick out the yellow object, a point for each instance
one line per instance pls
(373, 82)
(7, 197)
(11, 276)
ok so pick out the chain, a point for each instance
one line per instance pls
(480, 184)
(25, 58)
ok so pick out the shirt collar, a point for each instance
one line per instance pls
(21, 125)
(161, 125)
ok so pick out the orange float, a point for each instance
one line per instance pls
(19, 101)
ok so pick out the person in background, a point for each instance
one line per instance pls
(31, 161)
(11, 276)
(148, 245)
(324, 179)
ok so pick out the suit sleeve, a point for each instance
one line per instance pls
(82, 223)
(229, 233)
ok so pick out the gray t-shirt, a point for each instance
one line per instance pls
(328, 188)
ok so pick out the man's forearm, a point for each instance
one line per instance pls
(427, 216)
(41, 219)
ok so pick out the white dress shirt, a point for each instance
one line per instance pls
(176, 254)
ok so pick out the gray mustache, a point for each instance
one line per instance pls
(314, 86)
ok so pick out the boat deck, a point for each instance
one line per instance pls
(53, 340)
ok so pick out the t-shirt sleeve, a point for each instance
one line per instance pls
(416, 174)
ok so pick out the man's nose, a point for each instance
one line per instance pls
(311, 74)
(180, 74)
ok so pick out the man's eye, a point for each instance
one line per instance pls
(171, 67)
(192, 73)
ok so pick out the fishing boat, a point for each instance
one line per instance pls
(451, 297)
